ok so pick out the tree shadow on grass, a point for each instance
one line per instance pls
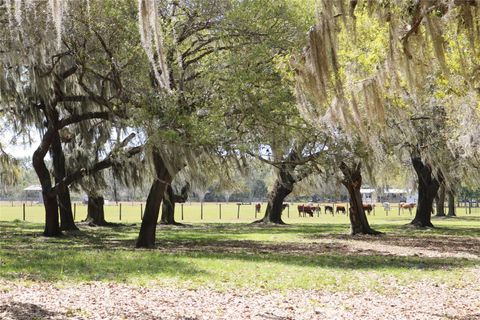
(437, 242)
(106, 254)
(27, 311)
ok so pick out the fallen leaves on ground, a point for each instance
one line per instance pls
(99, 300)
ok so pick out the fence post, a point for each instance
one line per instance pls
(399, 209)
(141, 211)
(181, 209)
(220, 211)
(201, 210)
(238, 211)
(74, 210)
(255, 211)
(120, 211)
(24, 212)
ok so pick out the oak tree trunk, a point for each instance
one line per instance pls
(352, 180)
(168, 207)
(428, 186)
(146, 237)
(440, 201)
(52, 225)
(95, 210)
(281, 189)
(451, 204)
(58, 159)
(168, 204)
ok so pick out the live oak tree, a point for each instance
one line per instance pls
(199, 37)
(192, 31)
(256, 94)
(52, 83)
(387, 81)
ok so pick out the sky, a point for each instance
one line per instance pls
(18, 150)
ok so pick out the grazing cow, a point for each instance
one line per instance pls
(307, 209)
(340, 209)
(408, 206)
(258, 207)
(328, 209)
(285, 205)
(367, 208)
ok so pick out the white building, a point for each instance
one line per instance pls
(368, 195)
(33, 193)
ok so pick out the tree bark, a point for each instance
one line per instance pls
(352, 180)
(58, 159)
(281, 189)
(146, 237)
(168, 205)
(52, 225)
(428, 186)
(95, 211)
(451, 204)
(440, 201)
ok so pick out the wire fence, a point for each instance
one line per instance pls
(211, 212)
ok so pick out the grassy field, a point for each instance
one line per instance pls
(316, 254)
(192, 212)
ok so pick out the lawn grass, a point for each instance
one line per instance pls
(312, 255)
(194, 212)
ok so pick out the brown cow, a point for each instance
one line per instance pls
(340, 209)
(307, 209)
(328, 209)
(367, 208)
(258, 207)
(408, 206)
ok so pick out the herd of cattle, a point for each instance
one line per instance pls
(310, 209)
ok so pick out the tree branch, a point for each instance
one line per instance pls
(81, 117)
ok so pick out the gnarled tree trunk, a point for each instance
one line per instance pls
(146, 237)
(281, 189)
(352, 180)
(168, 205)
(95, 210)
(440, 201)
(428, 186)
(451, 204)
(52, 225)
(58, 159)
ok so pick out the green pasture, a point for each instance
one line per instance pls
(194, 212)
(310, 253)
